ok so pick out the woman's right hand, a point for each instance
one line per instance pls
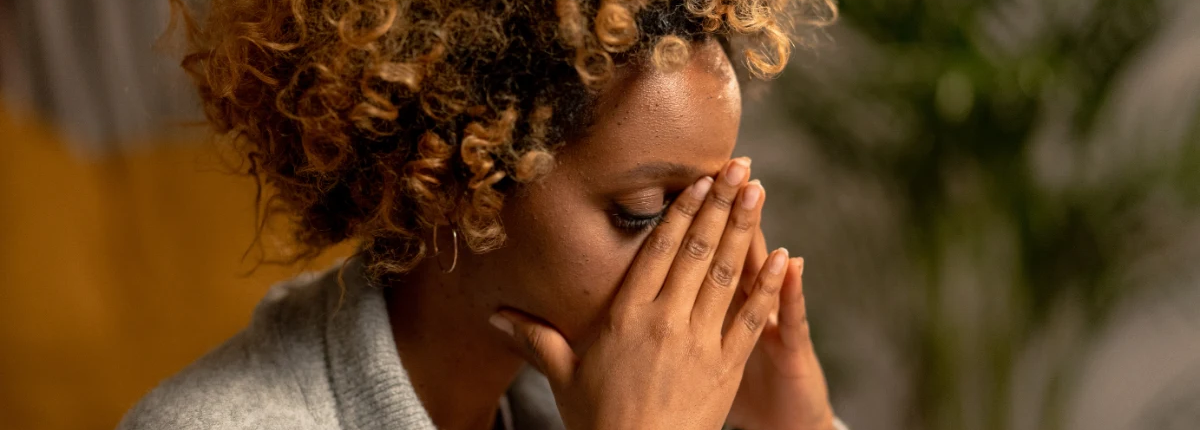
(664, 359)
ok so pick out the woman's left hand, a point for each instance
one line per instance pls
(783, 387)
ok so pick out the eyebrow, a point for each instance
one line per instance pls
(664, 170)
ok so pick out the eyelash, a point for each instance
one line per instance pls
(637, 223)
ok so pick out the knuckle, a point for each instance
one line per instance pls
(618, 319)
(768, 287)
(660, 330)
(742, 223)
(730, 370)
(617, 327)
(722, 201)
(631, 320)
(659, 244)
(752, 320)
(534, 341)
(695, 351)
(687, 208)
(697, 247)
(721, 274)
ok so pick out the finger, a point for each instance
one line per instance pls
(539, 344)
(695, 254)
(719, 286)
(793, 315)
(649, 270)
(754, 259)
(743, 332)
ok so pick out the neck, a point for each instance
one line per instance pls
(458, 364)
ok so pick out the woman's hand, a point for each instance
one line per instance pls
(662, 359)
(783, 387)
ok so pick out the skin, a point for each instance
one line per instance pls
(581, 300)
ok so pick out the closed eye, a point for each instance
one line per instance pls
(634, 222)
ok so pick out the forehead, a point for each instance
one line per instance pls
(688, 117)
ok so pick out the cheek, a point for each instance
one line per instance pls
(569, 260)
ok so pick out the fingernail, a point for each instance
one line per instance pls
(800, 265)
(778, 261)
(501, 323)
(737, 171)
(700, 189)
(751, 195)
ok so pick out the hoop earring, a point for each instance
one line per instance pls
(454, 262)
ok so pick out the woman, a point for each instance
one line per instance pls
(579, 149)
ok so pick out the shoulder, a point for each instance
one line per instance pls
(269, 376)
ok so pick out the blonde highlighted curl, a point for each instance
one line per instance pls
(374, 120)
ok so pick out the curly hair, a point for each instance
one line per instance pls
(375, 120)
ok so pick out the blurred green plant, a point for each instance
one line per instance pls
(1002, 112)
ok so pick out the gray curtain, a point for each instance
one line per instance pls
(92, 68)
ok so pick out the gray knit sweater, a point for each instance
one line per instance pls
(312, 358)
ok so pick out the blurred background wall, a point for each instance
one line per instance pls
(997, 201)
(121, 230)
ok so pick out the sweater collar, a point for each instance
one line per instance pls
(372, 389)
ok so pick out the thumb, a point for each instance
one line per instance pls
(541, 345)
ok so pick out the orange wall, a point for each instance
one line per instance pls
(114, 273)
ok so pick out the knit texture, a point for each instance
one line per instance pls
(313, 357)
